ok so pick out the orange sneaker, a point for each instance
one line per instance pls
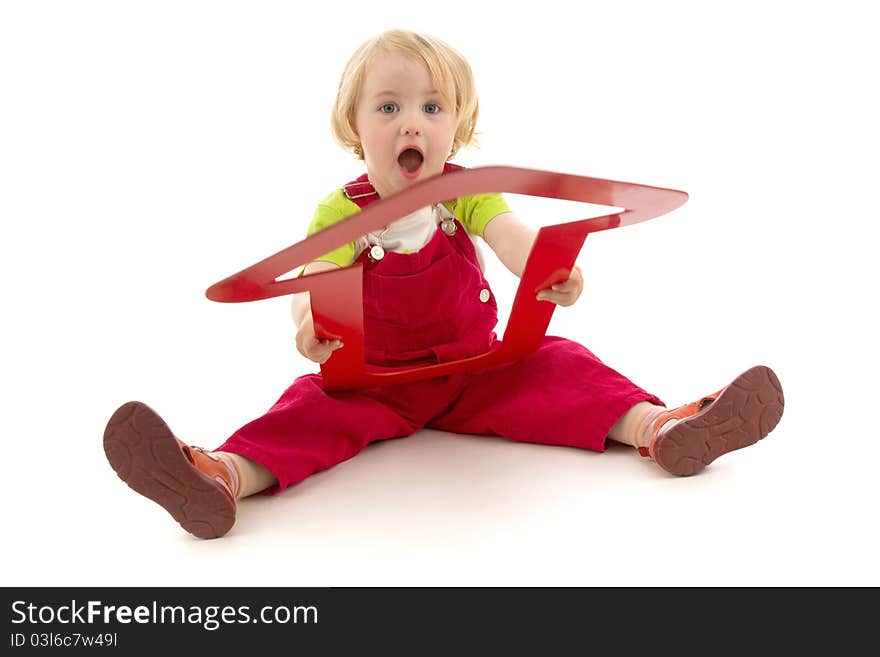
(736, 416)
(194, 486)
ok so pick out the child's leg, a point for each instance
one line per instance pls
(307, 430)
(253, 476)
(563, 395)
(634, 428)
(560, 395)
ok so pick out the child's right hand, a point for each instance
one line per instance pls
(308, 344)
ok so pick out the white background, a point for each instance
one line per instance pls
(150, 149)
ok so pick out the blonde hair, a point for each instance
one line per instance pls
(449, 71)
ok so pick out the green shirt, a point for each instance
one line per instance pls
(473, 212)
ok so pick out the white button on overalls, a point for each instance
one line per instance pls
(484, 295)
(376, 253)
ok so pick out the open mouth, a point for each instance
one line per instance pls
(410, 161)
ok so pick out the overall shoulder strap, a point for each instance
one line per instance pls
(361, 191)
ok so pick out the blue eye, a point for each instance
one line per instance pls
(388, 108)
(432, 108)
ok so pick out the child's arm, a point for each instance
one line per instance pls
(307, 343)
(512, 240)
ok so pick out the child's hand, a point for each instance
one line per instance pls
(308, 344)
(566, 292)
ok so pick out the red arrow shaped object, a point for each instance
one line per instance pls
(336, 296)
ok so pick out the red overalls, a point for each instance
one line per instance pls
(422, 308)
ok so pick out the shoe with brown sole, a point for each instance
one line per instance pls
(194, 486)
(738, 415)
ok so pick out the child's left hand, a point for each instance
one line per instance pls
(566, 292)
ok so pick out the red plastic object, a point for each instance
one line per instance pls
(336, 296)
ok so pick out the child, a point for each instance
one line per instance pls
(406, 105)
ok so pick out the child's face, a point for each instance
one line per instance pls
(405, 127)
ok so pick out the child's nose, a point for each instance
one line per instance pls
(410, 125)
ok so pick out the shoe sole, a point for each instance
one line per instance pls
(744, 413)
(145, 454)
